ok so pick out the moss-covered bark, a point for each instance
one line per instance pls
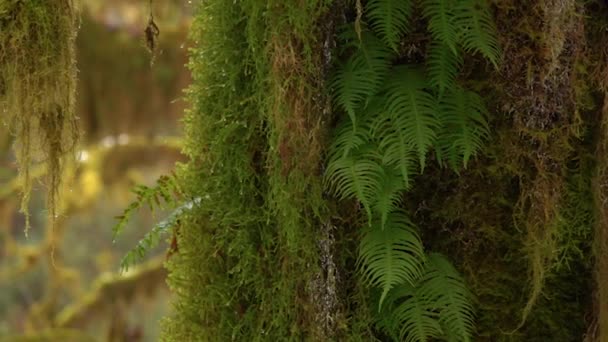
(267, 256)
(257, 258)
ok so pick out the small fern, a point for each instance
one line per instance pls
(164, 195)
(465, 127)
(438, 305)
(391, 256)
(398, 113)
(442, 67)
(362, 74)
(390, 19)
(389, 194)
(165, 191)
(154, 236)
(350, 137)
(356, 176)
(477, 31)
(442, 22)
(412, 111)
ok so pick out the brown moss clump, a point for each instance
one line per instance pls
(540, 99)
(37, 87)
(600, 187)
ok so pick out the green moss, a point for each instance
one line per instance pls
(518, 222)
(249, 265)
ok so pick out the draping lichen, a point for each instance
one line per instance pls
(37, 87)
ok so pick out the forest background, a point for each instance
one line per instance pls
(129, 117)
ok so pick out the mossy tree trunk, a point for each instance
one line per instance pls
(269, 255)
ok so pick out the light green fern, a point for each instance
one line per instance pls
(412, 110)
(390, 19)
(392, 255)
(442, 66)
(363, 73)
(398, 113)
(438, 305)
(465, 127)
(477, 30)
(356, 176)
(164, 193)
(442, 22)
(155, 235)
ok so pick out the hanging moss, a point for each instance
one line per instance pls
(37, 87)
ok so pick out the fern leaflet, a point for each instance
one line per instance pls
(438, 305)
(356, 176)
(390, 19)
(442, 67)
(362, 75)
(477, 31)
(465, 127)
(441, 22)
(389, 194)
(412, 110)
(391, 256)
(153, 237)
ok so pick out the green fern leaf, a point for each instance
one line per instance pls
(477, 30)
(349, 137)
(442, 66)
(154, 236)
(362, 75)
(389, 18)
(465, 127)
(441, 22)
(413, 315)
(166, 189)
(395, 147)
(356, 176)
(412, 110)
(437, 306)
(391, 256)
(389, 194)
(444, 288)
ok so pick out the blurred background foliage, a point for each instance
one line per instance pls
(65, 285)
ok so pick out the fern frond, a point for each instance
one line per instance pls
(166, 191)
(442, 66)
(441, 21)
(465, 127)
(437, 306)
(349, 137)
(414, 317)
(397, 152)
(389, 194)
(391, 256)
(389, 18)
(362, 75)
(445, 289)
(412, 110)
(477, 30)
(356, 176)
(154, 236)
